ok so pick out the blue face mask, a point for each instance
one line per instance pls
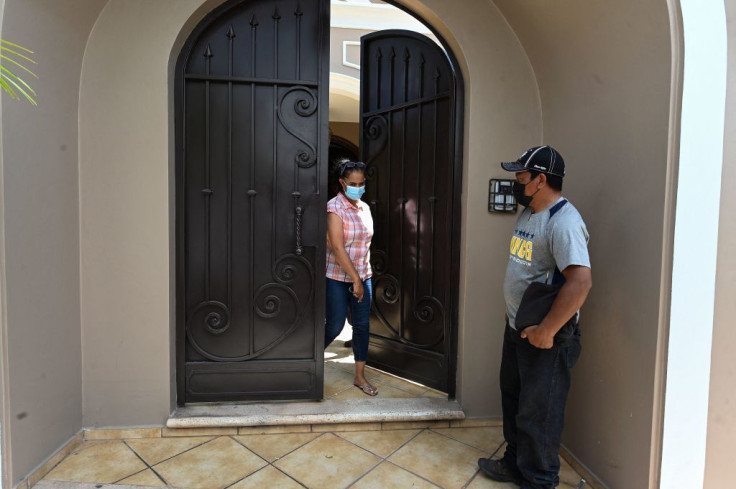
(354, 193)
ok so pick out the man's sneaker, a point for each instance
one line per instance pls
(497, 470)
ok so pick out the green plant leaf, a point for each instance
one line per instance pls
(8, 50)
(2, 56)
(18, 79)
(8, 89)
(18, 87)
(3, 41)
(10, 82)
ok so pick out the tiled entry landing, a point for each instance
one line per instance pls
(397, 400)
(368, 455)
(371, 458)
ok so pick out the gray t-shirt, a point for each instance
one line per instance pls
(540, 243)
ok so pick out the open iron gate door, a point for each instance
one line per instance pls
(409, 97)
(250, 183)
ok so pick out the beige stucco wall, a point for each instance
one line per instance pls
(337, 37)
(722, 406)
(41, 231)
(125, 175)
(603, 70)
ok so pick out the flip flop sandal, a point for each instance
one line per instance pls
(367, 389)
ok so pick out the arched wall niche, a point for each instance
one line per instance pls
(126, 190)
(609, 95)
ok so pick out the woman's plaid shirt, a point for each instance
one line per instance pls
(357, 231)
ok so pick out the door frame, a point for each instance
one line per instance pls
(323, 122)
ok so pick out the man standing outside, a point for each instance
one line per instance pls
(549, 245)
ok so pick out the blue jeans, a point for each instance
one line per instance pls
(340, 300)
(534, 387)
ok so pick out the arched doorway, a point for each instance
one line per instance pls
(251, 172)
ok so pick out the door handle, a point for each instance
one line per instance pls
(299, 212)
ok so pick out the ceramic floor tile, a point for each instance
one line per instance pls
(394, 387)
(488, 439)
(446, 462)
(434, 393)
(389, 475)
(482, 481)
(384, 391)
(268, 478)
(568, 479)
(145, 478)
(215, 464)
(104, 462)
(412, 388)
(346, 364)
(155, 450)
(327, 462)
(273, 447)
(568, 475)
(44, 484)
(336, 381)
(382, 443)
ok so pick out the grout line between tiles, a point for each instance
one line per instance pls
(289, 476)
(393, 451)
(251, 451)
(386, 458)
(415, 474)
(464, 443)
(279, 458)
(148, 466)
(290, 451)
(477, 470)
(175, 455)
(472, 478)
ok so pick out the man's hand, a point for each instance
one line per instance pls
(538, 337)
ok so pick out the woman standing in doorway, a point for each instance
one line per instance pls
(349, 287)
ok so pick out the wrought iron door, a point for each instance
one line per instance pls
(251, 164)
(409, 94)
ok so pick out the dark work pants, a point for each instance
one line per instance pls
(534, 387)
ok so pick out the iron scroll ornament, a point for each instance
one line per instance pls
(426, 310)
(304, 106)
(210, 318)
(376, 130)
(214, 316)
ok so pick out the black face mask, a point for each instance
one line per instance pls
(518, 189)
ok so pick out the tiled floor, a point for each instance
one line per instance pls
(423, 457)
(412, 458)
(340, 367)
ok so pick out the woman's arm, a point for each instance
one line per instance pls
(335, 241)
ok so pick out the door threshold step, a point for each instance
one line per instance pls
(316, 412)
